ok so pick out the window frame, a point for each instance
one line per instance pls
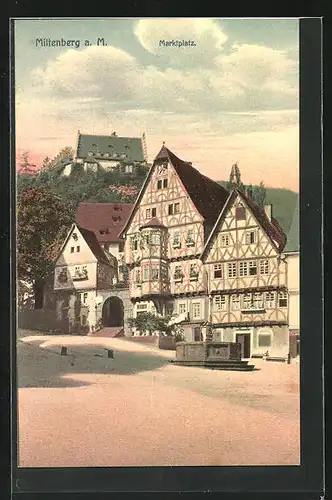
(218, 268)
(264, 265)
(220, 303)
(231, 269)
(252, 265)
(243, 269)
(282, 296)
(174, 244)
(199, 305)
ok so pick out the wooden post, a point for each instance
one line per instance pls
(63, 351)
(110, 353)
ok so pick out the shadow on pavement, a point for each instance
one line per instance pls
(45, 367)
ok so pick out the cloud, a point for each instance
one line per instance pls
(205, 33)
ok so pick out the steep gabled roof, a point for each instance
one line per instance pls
(91, 241)
(109, 218)
(116, 148)
(270, 227)
(208, 196)
(293, 237)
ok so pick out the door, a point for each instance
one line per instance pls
(197, 334)
(244, 340)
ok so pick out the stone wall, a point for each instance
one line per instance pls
(44, 320)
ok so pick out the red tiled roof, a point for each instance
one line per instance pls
(208, 196)
(94, 245)
(154, 222)
(106, 220)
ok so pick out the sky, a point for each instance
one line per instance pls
(231, 96)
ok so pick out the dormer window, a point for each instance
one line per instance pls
(104, 231)
(116, 218)
(75, 237)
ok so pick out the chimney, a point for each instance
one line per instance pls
(268, 211)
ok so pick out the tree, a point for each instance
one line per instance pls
(148, 322)
(259, 194)
(25, 167)
(42, 224)
(235, 179)
(66, 153)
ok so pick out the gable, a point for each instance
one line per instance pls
(200, 196)
(75, 249)
(238, 234)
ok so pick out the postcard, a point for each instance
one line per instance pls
(158, 242)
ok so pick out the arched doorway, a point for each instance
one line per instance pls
(112, 314)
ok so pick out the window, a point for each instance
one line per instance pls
(159, 184)
(264, 267)
(235, 302)
(283, 299)
(250, 237)
(190, 238)
(247, 301)
(138, 276)
(134, 243)
(115, 218)
(153, 212)
(232, 270)
(77, 249)
(165, 183)
(182, 308)
(270, 300)
(224, 240)
(220, 303)
(72, 249)
(196, 310)
(155, 238)
(178, 274)
(155, 273)
(145, 274)
(174, 209)
(77, 269)
(240, 212)
(176, 240)
(148, 213)
(252, 268)
(83, 320)
(258, 300)
(264, 339)
(243, 269)
(217, 271)
(193, 273)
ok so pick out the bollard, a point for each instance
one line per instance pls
(63, 351)
(110, 353)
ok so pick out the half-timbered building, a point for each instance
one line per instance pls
(83, 270)
(247, 278)
(164, 237)
(209, 257)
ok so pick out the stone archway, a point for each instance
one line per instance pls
(113, 312)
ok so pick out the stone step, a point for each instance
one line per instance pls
(222, 365)
(110, 332)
